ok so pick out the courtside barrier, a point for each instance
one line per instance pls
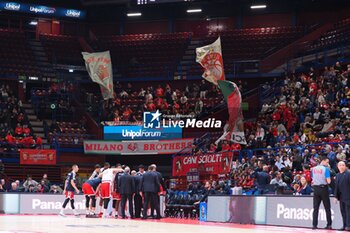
(26, 203)
(277, 210)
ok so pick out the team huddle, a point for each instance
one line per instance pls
(118, 184)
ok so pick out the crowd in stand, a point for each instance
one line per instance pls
(129, 103)
(308, 120)
(30, 186)
(54, 99)
(15, 129)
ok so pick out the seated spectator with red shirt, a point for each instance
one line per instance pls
(19, 130)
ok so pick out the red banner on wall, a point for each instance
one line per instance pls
(38, 157)
(204, 164)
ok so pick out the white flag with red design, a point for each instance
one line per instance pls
(99, 67)
(210, 58)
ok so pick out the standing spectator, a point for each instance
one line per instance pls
(203, 90)
(45, 180)
(29, 182)
(331, 155)
(159, 91)
(262, 179)
(183, 100)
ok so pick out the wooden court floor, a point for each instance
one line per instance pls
(53, 223)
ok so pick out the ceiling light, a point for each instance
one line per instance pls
(33, 23)
(134, 14)
(257, 6)
(194, 10)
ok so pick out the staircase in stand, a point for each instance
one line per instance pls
(187, 59)
(37, 125)
(41, 58)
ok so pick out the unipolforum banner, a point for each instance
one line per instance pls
(99, 67)
(37, 157)
(137, 132)
(219, 163)
(136, 147)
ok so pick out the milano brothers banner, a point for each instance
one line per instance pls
(136, 147)
(205, 164)
(38, 157)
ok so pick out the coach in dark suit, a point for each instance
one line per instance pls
(342, 193)
(162, 188)
(150, 187)
(137, 196)
(126, 187)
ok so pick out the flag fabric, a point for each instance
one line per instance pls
(99, 67)
(234, 131)
(210, 58)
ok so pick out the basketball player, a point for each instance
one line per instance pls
(108, 176)
(89, 188)
(96, 172)
(116, 194)
(106, 165)
(69, 187)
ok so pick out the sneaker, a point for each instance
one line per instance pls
(75, 213)
(62, 213)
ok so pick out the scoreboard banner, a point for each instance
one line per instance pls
(219, 163)
(136, 147)
(37, 157)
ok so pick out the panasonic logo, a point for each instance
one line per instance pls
(37, 204)
(284, 212)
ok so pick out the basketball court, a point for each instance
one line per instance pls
(53, 223)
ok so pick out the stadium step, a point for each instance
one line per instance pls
(38, 129)
(185, 62)
(188, 57)
(29, 111)
(26, 105)
(41, 58)
(190, 52)
(37, 123)
(195, 42)
(42, 135)
(32, 117)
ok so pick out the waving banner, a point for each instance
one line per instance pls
(210, 58)
(235, 130)
(99, 67)
(205, 164)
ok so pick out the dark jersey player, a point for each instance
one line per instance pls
(69, 188)
(89, 190)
